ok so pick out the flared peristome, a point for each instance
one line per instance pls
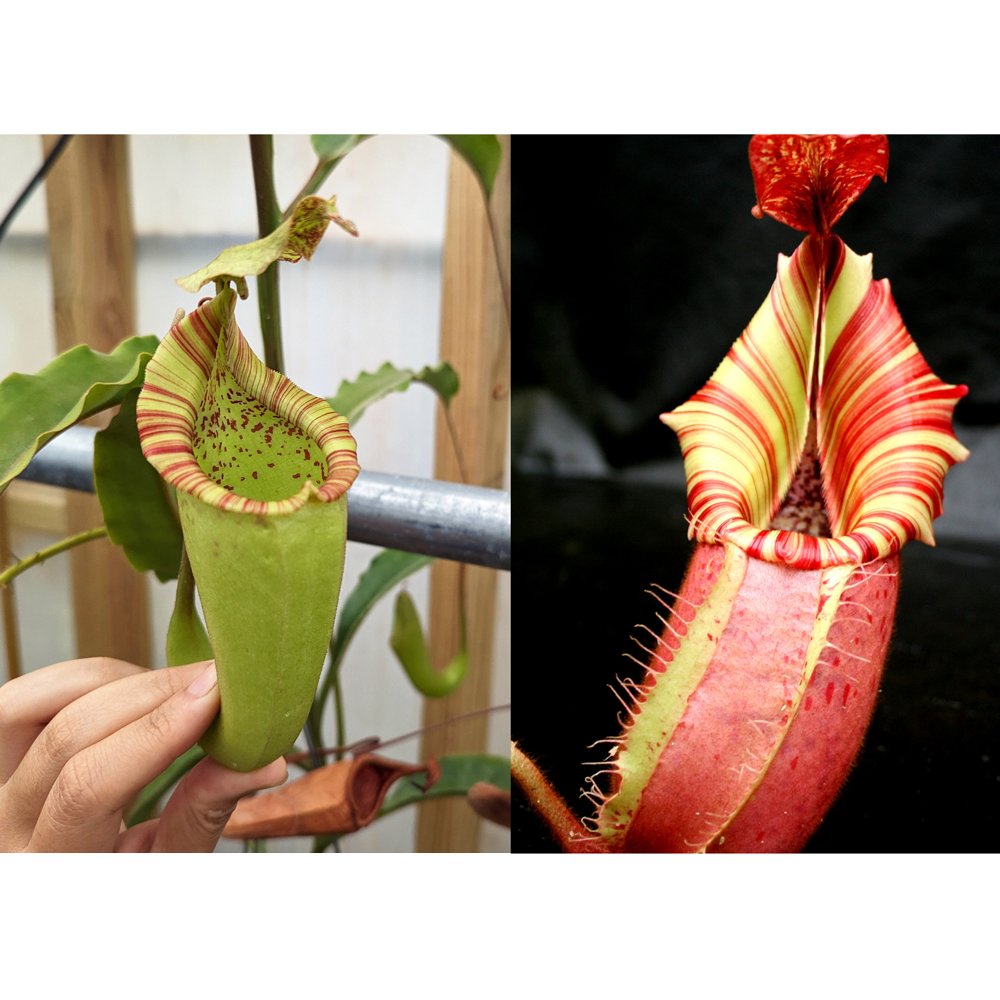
(216, 423)
(827, 348)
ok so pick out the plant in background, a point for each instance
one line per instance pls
(814, 453)
(251, 511)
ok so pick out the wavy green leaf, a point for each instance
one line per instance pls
(408, 644)
(442, 378)
(138, 512)
(459, 772)
(76, 385)
(482, 153)
(353, 398)
(297, 237)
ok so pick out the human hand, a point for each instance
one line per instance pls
(79, 739)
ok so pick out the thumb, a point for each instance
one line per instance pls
(197, 812)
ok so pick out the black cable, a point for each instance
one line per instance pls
(43, 170)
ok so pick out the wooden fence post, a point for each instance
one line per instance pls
(92, 250)
(475, 339)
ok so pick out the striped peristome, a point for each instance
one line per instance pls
(176, 381)
(883, 419)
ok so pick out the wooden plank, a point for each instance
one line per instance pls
(475, 339)
(93, 278)
(36, 507)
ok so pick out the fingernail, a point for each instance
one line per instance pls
(204, 682)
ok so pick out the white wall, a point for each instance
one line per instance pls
(358, 303)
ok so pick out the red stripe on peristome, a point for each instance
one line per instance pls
(156, 389)
(166, 430)
(184, 344)
(906, 398)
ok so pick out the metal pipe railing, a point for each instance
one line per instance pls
(448, 520)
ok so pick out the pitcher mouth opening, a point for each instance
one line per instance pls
(803, 510)
(179, 380)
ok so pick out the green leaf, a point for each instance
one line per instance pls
(408, 644)
(334, 147)
(134, 501)
(459, 772)
(482, 153)
(442, 378)
(79, 383)
(149, 798)
(297, 237)
(387, 569)
(353, 398)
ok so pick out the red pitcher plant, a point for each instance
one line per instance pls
(816, 450)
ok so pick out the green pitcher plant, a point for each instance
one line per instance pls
(816, 450)
(219, 472)
(261, 469)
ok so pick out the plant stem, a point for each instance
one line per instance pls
(11, 632)
(548, 803)
(268, 219)
(314, 724)
(453, 434)
(338, 708)
(314, 758)
(373, 743)
(53, 550)
(501, 273)
(322, 170)
(315, 720)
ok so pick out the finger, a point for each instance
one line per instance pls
(490, 802)
(30, 702)
(137, 839)
(83, 723)
(199, 809)
(83, 809)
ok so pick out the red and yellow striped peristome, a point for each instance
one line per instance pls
(829, 344)
(177, 380)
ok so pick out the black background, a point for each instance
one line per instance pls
(637, 264)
